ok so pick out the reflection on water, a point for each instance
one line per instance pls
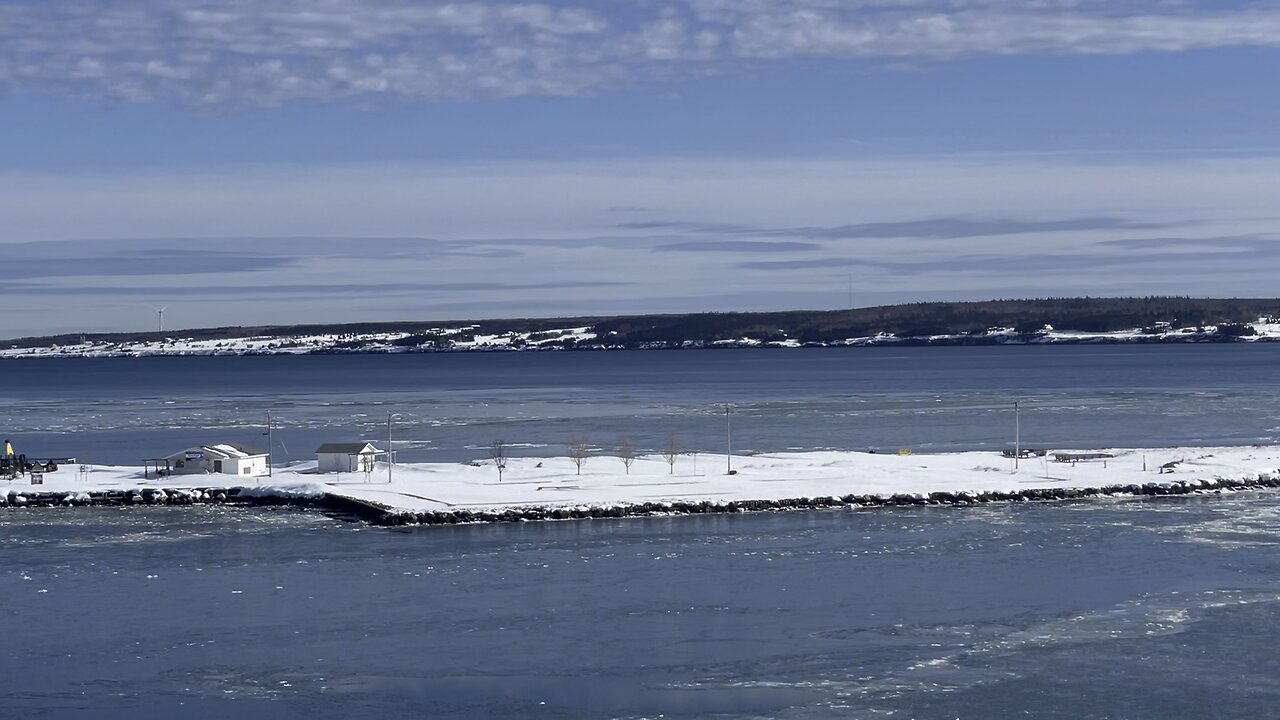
(1117, 608)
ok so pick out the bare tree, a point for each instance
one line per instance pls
(671, 452)
(578, 451)
(498, 451)
(626, 453)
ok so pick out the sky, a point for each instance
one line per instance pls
(245, 163)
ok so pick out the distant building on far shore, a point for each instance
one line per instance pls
(347, 457)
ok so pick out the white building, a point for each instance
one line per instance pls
(224, 458)
(347, 457)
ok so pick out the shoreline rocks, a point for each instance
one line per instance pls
(382, 515)
(962, 498)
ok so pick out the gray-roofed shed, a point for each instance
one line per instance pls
(347, 457)
(347, 447)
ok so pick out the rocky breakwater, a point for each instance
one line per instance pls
(958, 498)
(130, 496)
(243, 496)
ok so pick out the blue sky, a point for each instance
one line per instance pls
(343, 160)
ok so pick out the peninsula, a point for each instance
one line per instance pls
(603, 487)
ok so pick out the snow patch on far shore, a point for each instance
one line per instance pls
(465, 339)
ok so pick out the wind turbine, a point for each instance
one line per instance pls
(160, 323)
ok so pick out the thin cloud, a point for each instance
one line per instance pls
(169, 265)
(953, 228)
(700, 228)
(245, 53)
(616, 242)
(242, 292)
(738, 246)
(930, 228)
(199, 247)
(826, 262)
(1221, 244)
(1204, 253)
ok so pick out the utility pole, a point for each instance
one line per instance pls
(269, 444)
(728, 441)
(1017, 435)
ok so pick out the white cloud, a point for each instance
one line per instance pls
(244, 53)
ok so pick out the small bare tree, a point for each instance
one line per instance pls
(498, 451)
(626, 453)
(578, 451)
(671, 452)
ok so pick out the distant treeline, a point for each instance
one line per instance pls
(914, 320)
(917, 320)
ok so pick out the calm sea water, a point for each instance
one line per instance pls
(450, 407)
(1164, 608)
(1106, 609)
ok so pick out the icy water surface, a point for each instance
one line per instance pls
(450, 407)
(1163, 608)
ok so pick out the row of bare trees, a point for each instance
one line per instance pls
(580, 450)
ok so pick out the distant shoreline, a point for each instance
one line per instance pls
(1147, 320)
(382, 345)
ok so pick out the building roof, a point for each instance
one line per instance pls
(347, 448)
(242, 449)
(224, 451)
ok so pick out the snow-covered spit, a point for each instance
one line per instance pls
(464, 338)
(552, 488)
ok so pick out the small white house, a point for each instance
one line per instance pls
(347, 457)
(224, 458)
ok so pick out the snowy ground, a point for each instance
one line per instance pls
(553, 482)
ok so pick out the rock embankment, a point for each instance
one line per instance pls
(526, 513)
(379, 514)
(190, 496)
(131, 496)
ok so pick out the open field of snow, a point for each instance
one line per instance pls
(604, 482)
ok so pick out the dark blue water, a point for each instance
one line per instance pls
(450, 407)
(1106, 609)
